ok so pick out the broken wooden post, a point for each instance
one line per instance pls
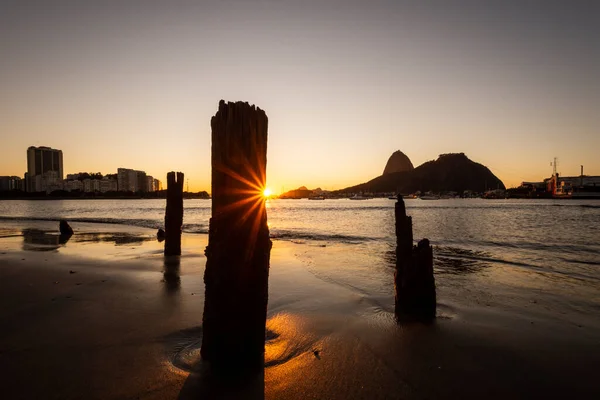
(174, 214)
(238, 251)
(414, 281)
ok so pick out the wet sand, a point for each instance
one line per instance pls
(98, 321)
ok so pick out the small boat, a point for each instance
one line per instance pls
(317, 198)
(429, 197)
(358, 197)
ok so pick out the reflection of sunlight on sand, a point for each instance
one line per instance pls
(289, 353)
(290, 339)
(282, 377)
(287, 338)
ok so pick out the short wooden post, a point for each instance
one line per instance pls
(174, 214)
(238, 251)
(414, 280)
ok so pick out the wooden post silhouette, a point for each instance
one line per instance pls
(414, 281)
(238, 251)
(174, 214)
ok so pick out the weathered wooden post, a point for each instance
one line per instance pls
(174, 214)
(239, 248)
(414, 281)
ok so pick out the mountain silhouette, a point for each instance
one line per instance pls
(398, 162)
(453, 172)
(300, 193)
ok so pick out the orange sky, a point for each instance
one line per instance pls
(344, 84)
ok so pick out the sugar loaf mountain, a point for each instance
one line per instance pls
(453, 172)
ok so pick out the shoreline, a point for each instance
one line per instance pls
(126, 324)
(161, 197)
(303, 198)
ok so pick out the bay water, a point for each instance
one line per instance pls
(486, 252)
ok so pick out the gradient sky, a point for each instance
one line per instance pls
(344, 83)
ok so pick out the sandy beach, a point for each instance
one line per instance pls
(106, 316)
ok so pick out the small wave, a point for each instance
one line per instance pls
(453, 260)
(337, 209)
(457, 261)
(427, 206)
(144, 223)
(478, 256)
(540, 246)
(589, 206)
(295, 235)
(584, 262)
(200, 228)
(491, 206)
(195, 228)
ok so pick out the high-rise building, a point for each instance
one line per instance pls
(154, 185)
(150, 183)
(142, 183)
(43, 161)
(130, 180)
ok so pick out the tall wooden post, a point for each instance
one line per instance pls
(414, 280)
(239, 248)
(174, 214)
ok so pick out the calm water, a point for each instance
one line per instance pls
(544, 246)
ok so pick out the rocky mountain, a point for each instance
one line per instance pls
(450, 172)
(398, 162)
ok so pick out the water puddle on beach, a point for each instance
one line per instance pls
(97, 241)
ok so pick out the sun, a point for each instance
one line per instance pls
(267, 192)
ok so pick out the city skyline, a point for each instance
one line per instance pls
(344, 84)
(45, 174)
(68, 176)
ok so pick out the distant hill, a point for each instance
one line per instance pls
(301, 192)
(453, 172)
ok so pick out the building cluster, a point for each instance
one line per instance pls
(45, 174)
(8, 183)
(129, 180)
(574, 186)
(557, 186)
